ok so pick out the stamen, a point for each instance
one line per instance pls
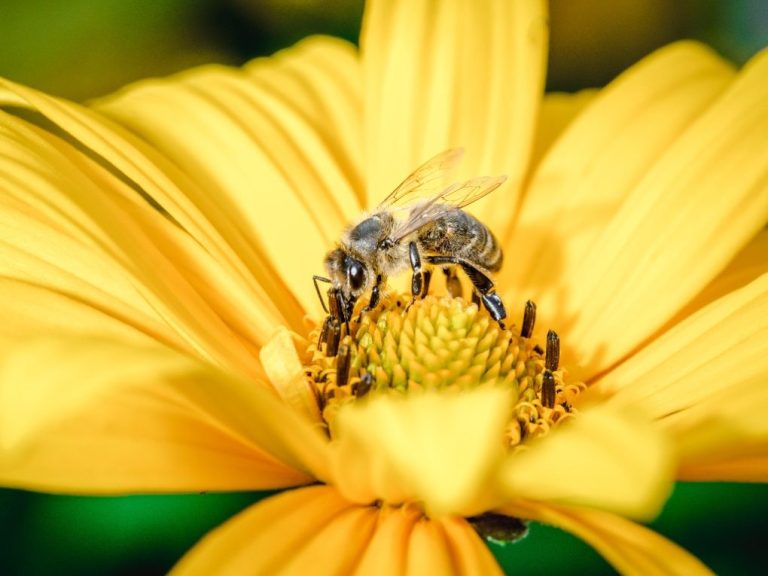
(364, 385)
(529, 319)
(553, 351)
(342, 366)
(548, 390)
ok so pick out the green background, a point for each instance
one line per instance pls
(86, 48)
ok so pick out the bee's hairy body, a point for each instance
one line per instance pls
(455, 233)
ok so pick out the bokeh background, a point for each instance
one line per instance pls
(82, 49)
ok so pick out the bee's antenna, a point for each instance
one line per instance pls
(315, 279)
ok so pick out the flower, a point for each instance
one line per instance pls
(154, 240)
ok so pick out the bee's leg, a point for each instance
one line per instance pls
(417, 280)
(427, 278)
(452, 282)
(373, 301)
(484, 286)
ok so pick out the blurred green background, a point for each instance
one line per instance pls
(87, 48)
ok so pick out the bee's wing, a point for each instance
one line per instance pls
(457, 195)
(425, 180)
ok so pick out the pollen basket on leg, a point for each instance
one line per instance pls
(441, 343)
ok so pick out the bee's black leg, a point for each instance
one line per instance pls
(373, 301)
(417, 280)
(483, 286)
(427, 278)
(452, 282)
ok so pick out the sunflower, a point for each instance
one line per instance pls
(160, 325)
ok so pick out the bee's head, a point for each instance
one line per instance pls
(346, 272)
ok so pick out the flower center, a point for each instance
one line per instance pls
(443, 343)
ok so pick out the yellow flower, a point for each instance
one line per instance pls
(157, 254)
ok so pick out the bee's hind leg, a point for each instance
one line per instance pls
(484, 287)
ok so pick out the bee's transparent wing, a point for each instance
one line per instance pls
(425, 180)
(457, 195)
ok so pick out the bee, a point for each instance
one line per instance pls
(419, 225)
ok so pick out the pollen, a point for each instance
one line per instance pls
(449, 344)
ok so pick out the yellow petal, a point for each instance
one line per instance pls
(286, 372)
(704, 381)
(719, 347)
(428, 550)
(470, 554)
(306, 529)
(725, 436)
(632, 549)
(387, 552)
(79, 229)
(557, 111)
(678, 229)
(273, 169)
(435, 448)
(321, 78)
(441, 75)
(582, 184)
(93, 416)
(746, 266)
(603, 459)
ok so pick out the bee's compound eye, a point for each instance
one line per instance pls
(356, 275)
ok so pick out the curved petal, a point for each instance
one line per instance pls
(92, 416)
(603, 459)
(438, 449)
(306, 531)
(557, 111)
(80, 229)
(629, 547)
(747, 265)
(387, 551)
(452, 74)
(588, 175)
(705, 379)
(677, 230)
(272, 166)
(470, 554)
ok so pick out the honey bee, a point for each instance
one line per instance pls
(418, 225)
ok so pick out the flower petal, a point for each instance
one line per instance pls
(558, 110)
(93, 416)
(435, 448)
(452, 74)
(284, 183)
(388, 550)
(286, 372)
(591, 172)
(629, 547)
(470, 554)
(675, 216)
(306, 531)
(747, 265)
(80, 229)
(704, 380)
(603, 459)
